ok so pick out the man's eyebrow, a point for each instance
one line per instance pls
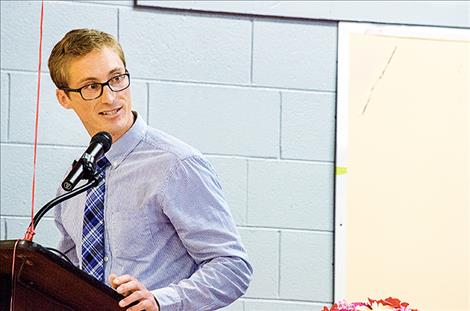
(116, 70)
(87, 79)
(111, 72)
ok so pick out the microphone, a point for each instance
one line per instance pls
(85, 166)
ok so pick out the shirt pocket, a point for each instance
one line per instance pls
(129, 235)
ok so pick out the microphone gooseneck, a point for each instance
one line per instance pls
(84, 168)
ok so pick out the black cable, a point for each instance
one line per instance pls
(60, 253)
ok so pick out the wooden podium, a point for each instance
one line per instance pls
(44, 281)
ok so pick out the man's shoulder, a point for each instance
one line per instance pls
(163, 142)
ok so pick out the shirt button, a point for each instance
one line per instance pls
(114, 164)
(105, 258)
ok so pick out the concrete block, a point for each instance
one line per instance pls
(221, 120)
(233, 178)
(20, 28)
(189, 48)
(307, 265)
(4, 106)
(251, 305)
(289, 194)
(295, 55)
(308, 126)
(56, 125)
(263, 250)
(17, 171)
(46, 232)
(235, 306)
(139, 98)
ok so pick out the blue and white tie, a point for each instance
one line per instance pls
(93, 227)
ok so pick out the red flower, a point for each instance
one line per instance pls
(392, 302)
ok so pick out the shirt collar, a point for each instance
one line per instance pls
(127, 142)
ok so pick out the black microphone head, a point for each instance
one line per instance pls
(104, 138)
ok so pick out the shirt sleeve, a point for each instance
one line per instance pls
(194, 203)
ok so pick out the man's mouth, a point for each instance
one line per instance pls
(110, 112)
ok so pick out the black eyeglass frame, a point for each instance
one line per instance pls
(79, 90)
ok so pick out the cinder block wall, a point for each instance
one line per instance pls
(256, 95)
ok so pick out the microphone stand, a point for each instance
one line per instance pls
(92, 182)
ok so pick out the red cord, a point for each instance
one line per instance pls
(30, 231)
(13, 283)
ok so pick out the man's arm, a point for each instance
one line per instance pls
(195, 204)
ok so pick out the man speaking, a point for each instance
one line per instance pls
(157, 228)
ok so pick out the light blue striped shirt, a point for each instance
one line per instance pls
(166, 223)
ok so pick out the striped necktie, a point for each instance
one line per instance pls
(93, 227)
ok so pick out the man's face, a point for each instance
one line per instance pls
(112, 112)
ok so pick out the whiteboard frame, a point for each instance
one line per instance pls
(433, 13)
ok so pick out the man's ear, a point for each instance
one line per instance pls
(63, 99)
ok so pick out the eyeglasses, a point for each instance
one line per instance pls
(95, 90)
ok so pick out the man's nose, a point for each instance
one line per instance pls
(108, 95)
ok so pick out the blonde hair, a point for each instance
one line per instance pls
(75, 44)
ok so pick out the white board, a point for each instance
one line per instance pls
(403, 165)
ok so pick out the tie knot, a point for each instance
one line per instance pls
(102, 164)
